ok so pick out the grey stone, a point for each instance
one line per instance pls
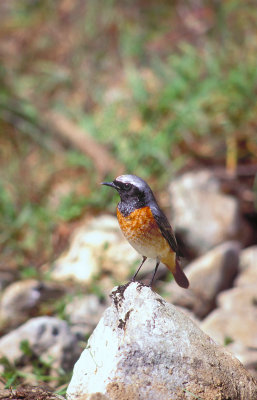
(208, 276)
(238, 329)
(203, 215)
(48, 337)
(235, 323)
(84, 313)
(144, 348)
(20, 300)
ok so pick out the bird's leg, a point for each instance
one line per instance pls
(134, 276)
(156, 267)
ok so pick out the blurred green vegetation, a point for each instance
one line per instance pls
(161, 86)
(39, 371)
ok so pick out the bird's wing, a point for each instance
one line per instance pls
(165, 227)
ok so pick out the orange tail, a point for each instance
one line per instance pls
(172, 263)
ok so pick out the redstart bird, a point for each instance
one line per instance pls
(146, 227)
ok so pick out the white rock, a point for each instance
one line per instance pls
(79, 264)
(208, 275)
(238, 298)
(239, 326)
(106, 222)
(248, 277)
(99, 245)
(201, 213)
(248, 258)
(144, 348)
(47, 337)
(238, 329)
(235, 323)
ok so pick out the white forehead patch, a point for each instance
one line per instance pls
(135, 180)
(124, 179)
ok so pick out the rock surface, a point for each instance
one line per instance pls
(48, 337)
(84, 313)
(208, 275)
(238, 298)
(241, 326)
(144, 348)
(98, 244)
(20, 300)
(234, 322)
(248, 258)
(247, 277)
(237, 328)
(203, 215)
(248, 268)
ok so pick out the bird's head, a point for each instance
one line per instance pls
(131, 188)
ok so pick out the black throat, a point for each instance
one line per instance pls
(126, 207)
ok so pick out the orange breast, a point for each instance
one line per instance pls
(143, 233)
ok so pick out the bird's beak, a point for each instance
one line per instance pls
(111, 184)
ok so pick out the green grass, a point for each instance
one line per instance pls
(40, 371)
(228, 340)
(193, 396)
(198, 99)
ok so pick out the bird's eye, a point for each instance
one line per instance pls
(127, 186)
